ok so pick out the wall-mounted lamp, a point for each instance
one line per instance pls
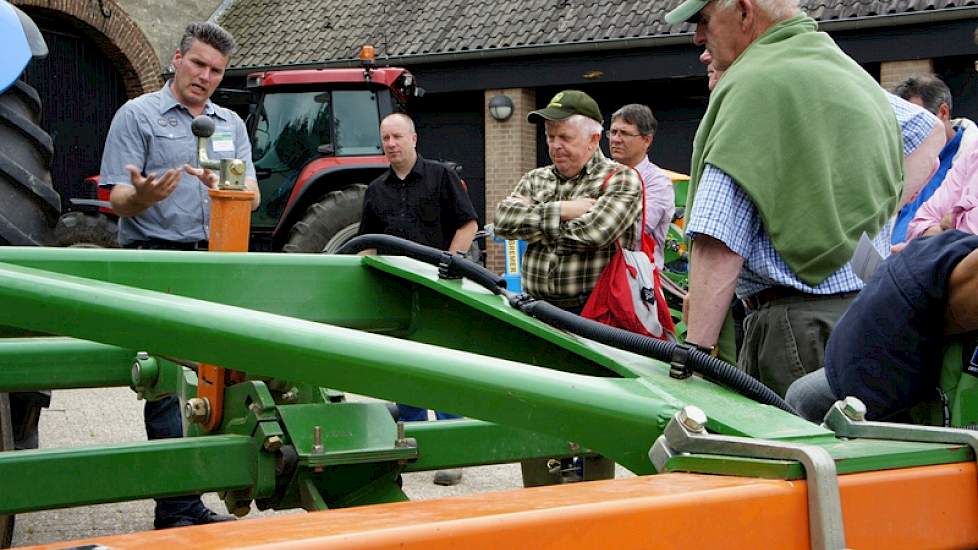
(501, 107)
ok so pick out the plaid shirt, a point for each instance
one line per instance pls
(564, 259)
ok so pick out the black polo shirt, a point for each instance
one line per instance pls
(426, 207)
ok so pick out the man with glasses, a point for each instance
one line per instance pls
(632, 131)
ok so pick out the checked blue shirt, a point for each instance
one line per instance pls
(725, 212)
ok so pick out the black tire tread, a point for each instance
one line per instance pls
(322, 220)
(30, 206)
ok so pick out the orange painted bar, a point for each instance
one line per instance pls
(229, 232)
(230, 220)
(916, 508)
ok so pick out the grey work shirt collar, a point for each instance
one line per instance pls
(168, 101)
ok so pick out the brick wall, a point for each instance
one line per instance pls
(510, 152)
(117, 35)
(893, 72)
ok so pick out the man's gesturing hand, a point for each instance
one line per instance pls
(206, 177)
(151, 189)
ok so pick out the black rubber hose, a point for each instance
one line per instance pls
(449, 266)
(712, 368)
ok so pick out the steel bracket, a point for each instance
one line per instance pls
(847, 419)
(686, 433)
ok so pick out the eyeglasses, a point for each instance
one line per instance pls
(616, 133)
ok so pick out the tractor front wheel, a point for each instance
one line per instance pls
(82, 230)
(329, 223)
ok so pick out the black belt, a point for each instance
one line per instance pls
(760, 299)
(162, 244)
(571, 302)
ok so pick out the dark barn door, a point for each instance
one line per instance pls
(80, 90)
(450, 127)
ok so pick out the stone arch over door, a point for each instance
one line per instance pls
(109, 26)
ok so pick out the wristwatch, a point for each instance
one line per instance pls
(711, 350)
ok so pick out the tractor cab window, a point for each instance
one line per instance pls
(290, 129)
(357, 123)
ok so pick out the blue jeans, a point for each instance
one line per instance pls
(409, 413)
(163, 421)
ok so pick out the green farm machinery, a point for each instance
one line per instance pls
(403, 330)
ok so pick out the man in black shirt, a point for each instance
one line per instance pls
(417, 199)
(422, 201)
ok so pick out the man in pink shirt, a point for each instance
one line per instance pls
(955, 203)
(631, 134)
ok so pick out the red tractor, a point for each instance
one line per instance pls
(316, 145)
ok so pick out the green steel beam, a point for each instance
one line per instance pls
(620, 417)
(45, 479)
(270, 345)
(458, 443)
(61, 363)
(328, 289)
(456, 314)
(851, 457)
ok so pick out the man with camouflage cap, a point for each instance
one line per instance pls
(572, 211)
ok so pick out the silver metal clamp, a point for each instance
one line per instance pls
(686, 433)
(847, 418)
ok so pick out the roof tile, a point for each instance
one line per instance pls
(274, 33)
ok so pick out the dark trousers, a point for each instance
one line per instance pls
(163, 421)
(785, 339)
(162, 417)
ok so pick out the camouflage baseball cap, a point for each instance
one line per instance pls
(565, 104)
(686, 11)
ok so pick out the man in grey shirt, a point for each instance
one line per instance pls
(162, 200)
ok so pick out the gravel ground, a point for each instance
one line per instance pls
(87, 417)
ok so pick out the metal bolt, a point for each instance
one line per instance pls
(255, 408)
(693, 418)
(197, 410)
(290, 396)
(142, 355)
(317, 440)
(401, 439)
(574, 447)
(134, 374)
(553, 466)
(272, 443)
(854, 409)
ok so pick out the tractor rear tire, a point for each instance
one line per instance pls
(329, 223)
(81, 230)
(30, 205)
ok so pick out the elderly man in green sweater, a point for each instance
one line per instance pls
(798, 155)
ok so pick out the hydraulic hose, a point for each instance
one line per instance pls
(449, 266)
(678, 355)
(712, 368)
